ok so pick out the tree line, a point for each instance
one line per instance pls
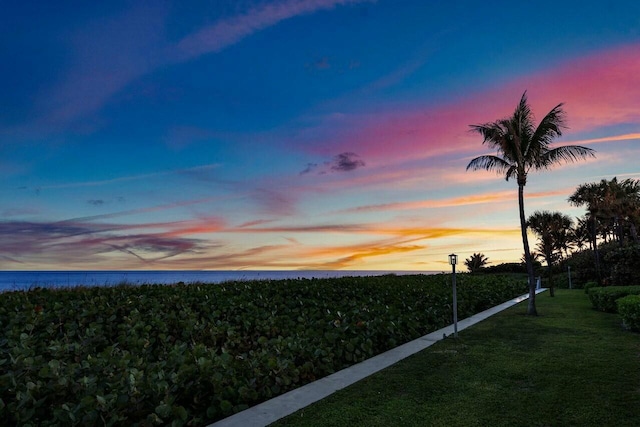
(611, 219)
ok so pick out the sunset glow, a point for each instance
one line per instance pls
(295, 134)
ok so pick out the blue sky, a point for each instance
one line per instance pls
(310, 134)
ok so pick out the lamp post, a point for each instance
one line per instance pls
(453, 260)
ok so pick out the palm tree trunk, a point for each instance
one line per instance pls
(551, 289)
(531, 308)
(634, 232)
(596, 253)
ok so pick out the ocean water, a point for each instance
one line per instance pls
(22, 280)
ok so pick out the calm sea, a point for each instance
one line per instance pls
(21, 280)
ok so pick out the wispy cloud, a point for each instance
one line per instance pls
(106, 56)
(20, 212)
(23, 241)
(230, 31)
(343, 162)
(113, 52)
(356, 254)
(497, 197)
(612, 138)
(185, 244)
(129, 178)
(419, 232)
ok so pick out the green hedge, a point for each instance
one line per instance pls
(589, 285)
(604, 298)
(629, 309)
(193, 354)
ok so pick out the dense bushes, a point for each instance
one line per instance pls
(604, 299)
(619, 265)
(158, 355)
(624, 265)
(589, 285)
(507, 268)
(629, 309)
(583, 268)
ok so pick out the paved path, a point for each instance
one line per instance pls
(288, 403)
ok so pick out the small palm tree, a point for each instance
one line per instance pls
(535, 258)
(522, 147)
(580, 234)
(475, 262)
(551, 228)
(591, 195)
(621, 200)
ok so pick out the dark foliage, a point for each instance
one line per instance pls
(604, 298)
(193, 354)
(629, 309)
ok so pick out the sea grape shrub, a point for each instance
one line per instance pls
(629, 310)
(589, 285)
(604, 298)
(193, 354)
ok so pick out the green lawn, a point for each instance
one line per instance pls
(570, 366)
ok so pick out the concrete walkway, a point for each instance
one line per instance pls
(288, 403)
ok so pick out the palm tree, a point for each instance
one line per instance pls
(589, 195)
(592, 196)
(551, 228)
(580, 234)
(475, 262)
(521, 147)
(621, 200)
(535, 258)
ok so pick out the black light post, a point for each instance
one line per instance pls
(453, 260)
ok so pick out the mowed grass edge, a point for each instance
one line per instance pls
(571, 365)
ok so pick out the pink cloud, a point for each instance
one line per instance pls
(601, 89)
(598, 90)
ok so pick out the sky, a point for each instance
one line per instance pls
(295, 134)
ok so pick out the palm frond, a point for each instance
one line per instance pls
(489, 163)
(522, 121)
(512, 172)
(550, 127)
(564, 154)
(492, 133)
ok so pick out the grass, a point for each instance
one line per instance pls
(570, 366)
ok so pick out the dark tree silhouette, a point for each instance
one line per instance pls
(551, 228)
(475, 262)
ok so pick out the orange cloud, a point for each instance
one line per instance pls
(613, 138)
(200, 226)
(497, 197)
(417, 233)
(356, 254)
